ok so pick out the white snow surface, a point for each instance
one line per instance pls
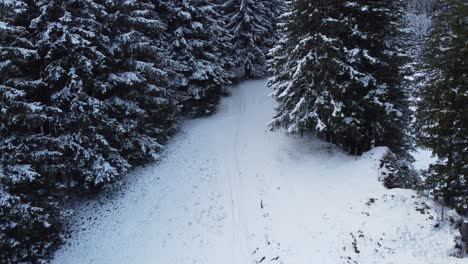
(229, 191)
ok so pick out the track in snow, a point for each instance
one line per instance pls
(229, 191)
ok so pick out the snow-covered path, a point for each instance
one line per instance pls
(231, 192)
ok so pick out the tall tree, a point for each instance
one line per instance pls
(249, 21)
(275, 10)
(336, 74)
(141, 97)
(307, 65)
(73, 39)
(198, 46)
(377, 104)
(442, 123)
(28, 215)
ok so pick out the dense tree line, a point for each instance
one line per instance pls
(90, 88)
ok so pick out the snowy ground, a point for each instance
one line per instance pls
(231, 192)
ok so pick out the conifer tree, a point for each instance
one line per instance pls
(377, 103)
(336, 74)
(197, 47)
(442, 119)
(249, 22)
(306, 65)
(142, 95)
(276, 9)
(73, 39)
(28, 218)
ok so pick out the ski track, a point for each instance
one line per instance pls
(229, 191)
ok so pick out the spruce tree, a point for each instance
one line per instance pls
(376, 102)
(198, 46)
(28, 215)
(442, 119)
(337, 74)
(249, 22)
(73, 39)
(307, 64)
(142, 96)
(275, 10)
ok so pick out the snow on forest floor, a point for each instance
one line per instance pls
(229, 191)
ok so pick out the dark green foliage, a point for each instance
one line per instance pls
(337, 74)
(141, 97)
(28, 215)
(29, 221)
(88, 89)
(306, 65)
(379, 103)
(397, 173)
(197, 49)
(252, 25)
(72, 39)
(442, 124)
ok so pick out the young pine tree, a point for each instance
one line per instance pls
(442, 118)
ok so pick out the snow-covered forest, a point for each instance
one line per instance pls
(129, 126)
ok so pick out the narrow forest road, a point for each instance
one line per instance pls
(230, 192)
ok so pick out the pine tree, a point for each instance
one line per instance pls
(275, 10)
(29, 222)
(249, 21)
(197, 47)
(73, 39)
(28, 218)
(442, 122)
(377, 102)
(416, 24)
(142, 96)
(336, 74)
(306, 65)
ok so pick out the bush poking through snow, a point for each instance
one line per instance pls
(397, 173)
